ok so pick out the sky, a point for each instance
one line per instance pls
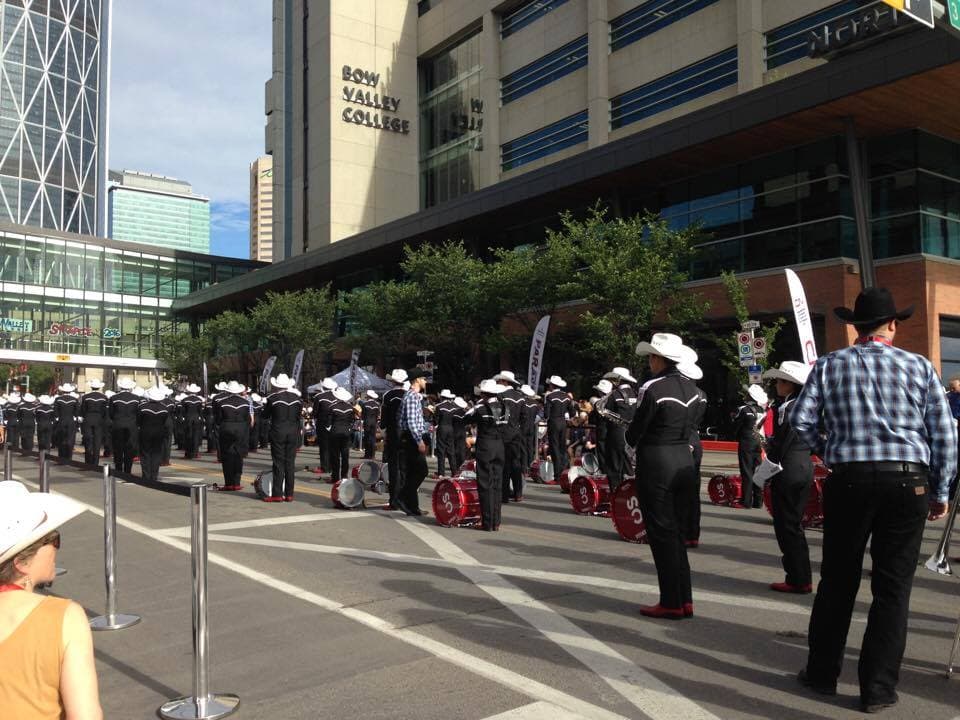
(187, 100)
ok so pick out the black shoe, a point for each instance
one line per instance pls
(875, 707)
(817, 687)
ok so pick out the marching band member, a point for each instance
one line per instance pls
(513, 401)
(600, 423)
(459, 433)
(369, 415)
(233, 417)
(191, 408)
(622, 403)
(389, 417)
(660, 430)
(27, 418)
(490, 417)
(256, 403)
(790, 488)
(153, 420)
(108, 427)
(44, 416)
(529, 411)
(321, 417)
(443, 420)
(65, 421)
(122, 409)
(557, 409)
(171, 406)
(748, 419)
(412, 429)
(690, 520)
(93, 411)
(283, 409)
(12, 419)
(342, 414)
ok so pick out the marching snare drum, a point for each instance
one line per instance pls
(569, 475)
(588, 461)
(724, 489)
(369, 473)
(468, 466)
(347, 493)
(626, 515)
(542, 471)
(456, 502)
(263, 485)
(590, 495)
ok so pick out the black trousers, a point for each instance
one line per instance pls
(213, 438)
(66, 434)
(557, 443)
(151, 454)
(512, 483)
(107, 438)
(690, 515)
(748, 454)
(338, 450)
(789, 491)
(323, 448)
(26, 436)
(232, 440)
(664, 489)
(531, 439)
(369, 442)
(459, 449)
(889, 510)
(414, 473)
(92, 440)
(444, 452)
(13, 435)
(490, 462)
(265, 425)
(166, 444)
(123, 446)
(395, 467)
(191, 437)
(253, 442)
(615, 458)
(44, 435)
(284, 440)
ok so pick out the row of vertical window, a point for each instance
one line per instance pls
(545, 141)
(544, 71)
(525, 14)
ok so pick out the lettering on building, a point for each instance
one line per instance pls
(852, 31)
(72, 330)
(16, 325)
(382, 111)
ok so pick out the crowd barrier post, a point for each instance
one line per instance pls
(953, 651)
(7, 462)
(202, 705)
(44, 473)
(111, 620)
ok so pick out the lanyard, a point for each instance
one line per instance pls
(874, 338)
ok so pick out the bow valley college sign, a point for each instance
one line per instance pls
(377, 111)
(853, 31)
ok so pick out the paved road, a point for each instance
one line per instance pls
(317, 612)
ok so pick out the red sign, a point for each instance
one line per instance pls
(23, 367)
(65, 329)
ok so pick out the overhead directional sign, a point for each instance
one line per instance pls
(919, 10)
(954, 8)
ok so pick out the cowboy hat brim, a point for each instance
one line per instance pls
(56, 509)
(673, 354)
(778, 374)
(850, 317)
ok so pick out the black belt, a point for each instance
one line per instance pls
(880, 467)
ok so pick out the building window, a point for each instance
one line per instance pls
(545, 141)
(526, 13)
(677, 88)
(424, 6)
(544, 71)
(650, 17)
(949, 348)
(791, 42)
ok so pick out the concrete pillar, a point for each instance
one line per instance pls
(598, 74)
(490, 90)
(750, 44)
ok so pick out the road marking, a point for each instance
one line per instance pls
(536, 711)
(647, 693)
(471, 663)
(184, 530)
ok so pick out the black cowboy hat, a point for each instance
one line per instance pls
(417, 373)
(873, 305)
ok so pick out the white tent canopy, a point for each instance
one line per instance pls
(364, 381)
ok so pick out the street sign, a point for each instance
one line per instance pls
(953, 6)
(751, 325)
(919, 10)
(760, 347)
(744, 338)
(746, 361)
(755, 372)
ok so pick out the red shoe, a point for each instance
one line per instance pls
(273, 499)
(688, 609)
(658, 611)
(738, 505)
(232, 488)
(692, 543)
(518, 498)
(288, 498)
(786, 587)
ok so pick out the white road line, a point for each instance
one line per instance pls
(536, 711)
(471, 663)
(547, 576)
(184, 530)
(647, 693)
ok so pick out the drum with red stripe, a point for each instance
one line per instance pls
(626, 515)
(542, 471)
(569, 475)
(456, 502)
(347, 494)
(813, 512)
(590, 495)
(724, 489)
(370, 475)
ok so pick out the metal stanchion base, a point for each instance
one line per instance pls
(61, 571)
(189, 708)
(113, 622)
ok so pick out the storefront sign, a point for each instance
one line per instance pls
(385, 106)
(110, 333)
(852, 30)
(73, 330)
(16, 325)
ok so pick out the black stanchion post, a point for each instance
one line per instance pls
(111, 620)
(202, 705)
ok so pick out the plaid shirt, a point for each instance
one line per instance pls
(411, 416)
(879, 403)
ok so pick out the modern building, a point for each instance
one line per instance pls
(158, 210)
(54, 98)
(78, 301)
(820, 135)
(261, 209)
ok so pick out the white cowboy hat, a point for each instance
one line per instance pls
(256, 397)
(460, 403)
(690, 370)
(179, 396)
(25, 517)
(67, 388)
(329, 384)
(372, 395)
(29, 397)
(138, 391)
(282, 381)
(296, 392)
(14, 398)
(342, 393)
(46, 400)
(528, 391)
(221, 386)
(155, 394)
(556, 381)
(126, 383)
(620, 373)
(95, 384)
(758, 395)
(445, 393)
(789, 370)
(507, 375)
(235, 388)
(399, 376)
(667, 345)
(109, 393)
(492, 387)
(406, 384)
(604, 386)
(193, 388)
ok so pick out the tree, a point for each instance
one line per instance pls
(737, 291)
(379, 319)
(184, 354)
(288, 322)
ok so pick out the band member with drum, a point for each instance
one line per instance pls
(369, 415)
(65, 421)
(666, 481)
(490, 417)
(191, 409)
(389, 421)
(233, 418)
(443, 420)
(620, 407)
(44, 416)
(283, 410)
(513, 402)
(153, 417)
(747, 423)
(412, 431)
(557, 410)
(790, 488)
(321, 417)
(342, 414)
(27, 418)
(690, 520)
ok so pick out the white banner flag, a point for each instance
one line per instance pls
(802, 315)
(265, 377)
(297, 367)
(537, 345)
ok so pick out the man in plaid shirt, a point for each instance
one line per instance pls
(412, 428)
(890, 441)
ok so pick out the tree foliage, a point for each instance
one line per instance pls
(737, 291)
(287, 322)
(183, 353)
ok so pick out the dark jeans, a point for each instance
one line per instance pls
(123, 441)
(414, 473)
(445, 453)
(789, 491)
(369, 442)
(690, 515)
(889, 510)
(233, 448)
(391, 457)
(26, 436)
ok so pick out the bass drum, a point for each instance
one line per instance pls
(542, 471)
(626, 515)
(569, 475)
(469, 466)
(456, 502)
(724, 489)
(590, 495)
(370, 475)
(263, 484)
(347, 494)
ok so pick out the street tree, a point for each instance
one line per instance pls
(184, 353)
(737, 292)
(287, 322)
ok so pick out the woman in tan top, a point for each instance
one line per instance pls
(46, 650)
